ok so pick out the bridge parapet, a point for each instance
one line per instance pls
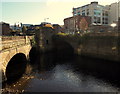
(13, 42)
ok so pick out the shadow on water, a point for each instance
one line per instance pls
(47, 61)
(102, 69)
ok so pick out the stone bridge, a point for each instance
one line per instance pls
(14, 52)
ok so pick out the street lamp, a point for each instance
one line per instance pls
(113, 25)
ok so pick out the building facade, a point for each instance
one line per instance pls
(114, 12)
(5, 27)
(77, 23)
(98, 13)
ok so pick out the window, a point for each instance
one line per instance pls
(98, 20)
(78, 13)
(87, 13)
(103, 14)
(83, 14)
(106, 19)
(94, 13)
(106, 14)
(97, 12)
(83, 10)
(106, 22)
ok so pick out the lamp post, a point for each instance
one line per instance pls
(113, 25)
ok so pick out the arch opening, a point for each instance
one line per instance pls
(16, 66)
(63, 50)
(33, 54)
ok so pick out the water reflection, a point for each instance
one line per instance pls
(78, 74)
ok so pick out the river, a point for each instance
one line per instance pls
(73, 74)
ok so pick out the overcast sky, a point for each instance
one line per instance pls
(35, 11)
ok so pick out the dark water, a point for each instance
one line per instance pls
(74, 74)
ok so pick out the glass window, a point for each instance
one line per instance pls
(97, 12)
(78, 13)
(83, 14)
(98, 20)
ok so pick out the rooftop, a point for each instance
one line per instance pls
(95, 2)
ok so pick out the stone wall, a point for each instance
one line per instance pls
(12, 41)
(99, 45)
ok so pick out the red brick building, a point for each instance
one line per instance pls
(77, 23)
(5, 27)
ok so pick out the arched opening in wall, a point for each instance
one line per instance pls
(47, 42)
(33, 55)
(16, 67)
(63, 50)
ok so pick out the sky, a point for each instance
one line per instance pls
(37, 11)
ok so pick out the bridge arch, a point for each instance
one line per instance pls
(16, 66)
(62, 48)
(11, 53)
(68, 40)
(33, 54)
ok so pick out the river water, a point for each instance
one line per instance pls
(73, 74)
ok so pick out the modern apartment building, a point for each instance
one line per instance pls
(98, 13)
(114, 12)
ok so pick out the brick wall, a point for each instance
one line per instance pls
(77, 23)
